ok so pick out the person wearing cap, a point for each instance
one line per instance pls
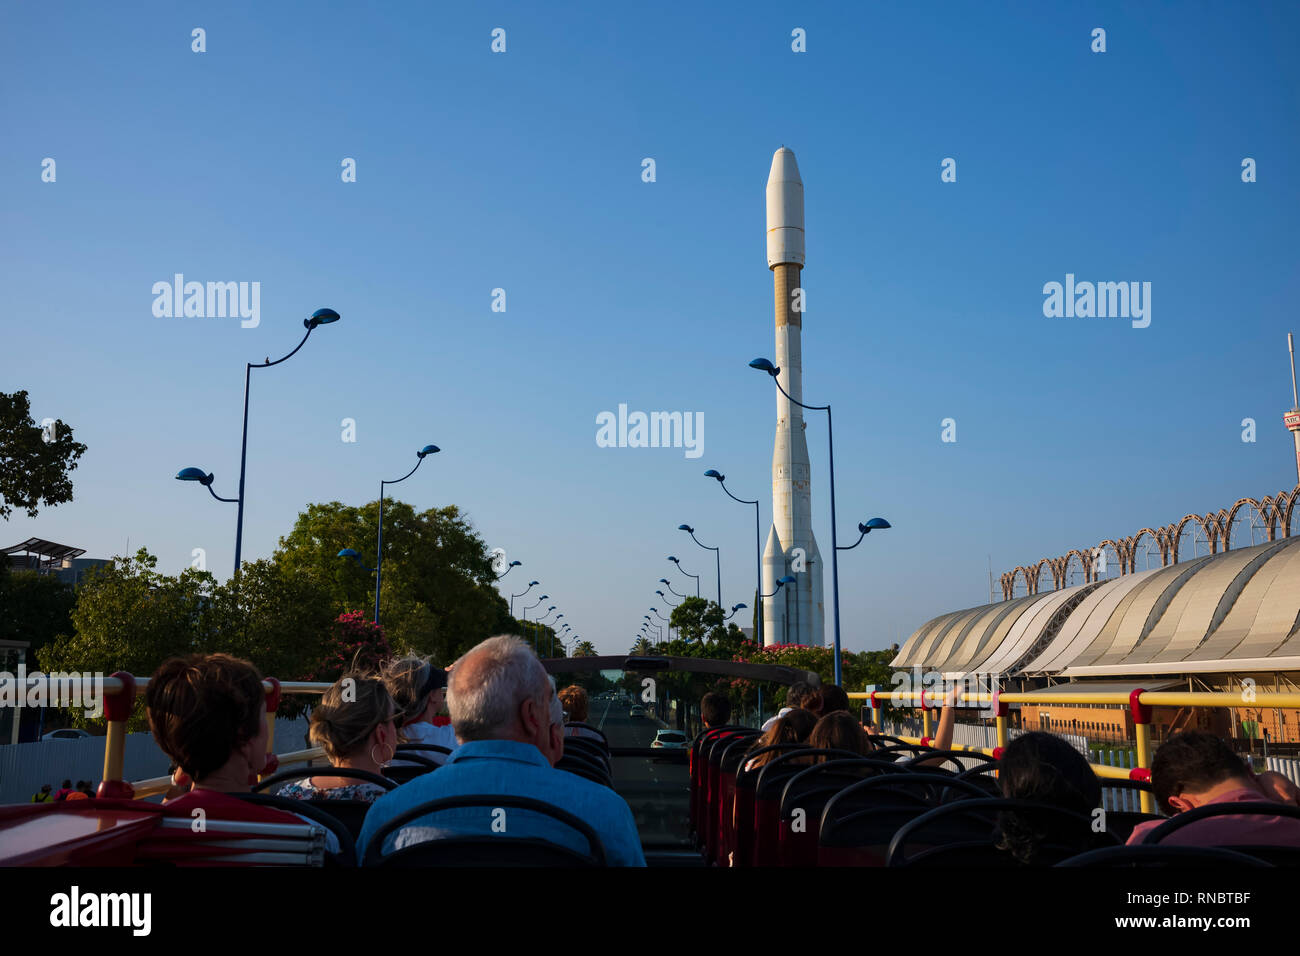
(419, 689)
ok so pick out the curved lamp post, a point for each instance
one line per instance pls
(196, 474)
(687, 573)
(875, 524)
(319, 317)
(355, 556)
(733, 612)
(530, 607)
(665, 597)
(717, 554)
(763, 365)
(379, 551)
(512, 564)
(758, 550)
(664, 582)
(531, 585)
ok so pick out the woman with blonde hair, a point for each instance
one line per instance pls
(419, 689)
(355, 723)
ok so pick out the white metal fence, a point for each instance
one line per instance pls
(25, 767)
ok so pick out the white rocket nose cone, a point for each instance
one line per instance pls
(784, 210)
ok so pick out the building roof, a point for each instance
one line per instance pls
(1238, 610)
(48, 550)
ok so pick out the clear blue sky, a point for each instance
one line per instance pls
(522, 171)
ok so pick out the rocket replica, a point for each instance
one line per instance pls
(795, 613)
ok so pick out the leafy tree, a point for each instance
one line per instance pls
(34, 465)
(33, 607)
(438, 593)
(278, 620)
(128, 617)
(584, 649)
(642, 647)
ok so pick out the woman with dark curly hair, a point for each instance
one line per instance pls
(1044, 768)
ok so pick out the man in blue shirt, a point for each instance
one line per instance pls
(510, 725)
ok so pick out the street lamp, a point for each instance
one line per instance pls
(319, 317)
(717, 554)
(531, 585)
(874, 524)
(763, 365)
(529, 608)
(355, 556)
(664, 582)
(733, 612)
(665, 597)
(379, 551)
(512, 564)
(758, 550)
(780, 583)
(687, 573)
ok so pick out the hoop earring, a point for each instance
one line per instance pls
(378, 762)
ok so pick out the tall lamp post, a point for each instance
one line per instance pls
(666, 601)
(355, 556)
(664, 582)
(758, 549)
(529, 608)
(717, 554)
(319, 317)
(379, 551)
(531, 585)
(537, 627)
(687, 573)
(763, 365)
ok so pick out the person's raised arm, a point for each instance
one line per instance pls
(942, 739)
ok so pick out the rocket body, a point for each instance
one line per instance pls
(795, 614)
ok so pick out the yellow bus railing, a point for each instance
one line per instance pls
(1138, 701)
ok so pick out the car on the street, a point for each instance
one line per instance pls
(671, 739)
(66, 733)
(636, 711)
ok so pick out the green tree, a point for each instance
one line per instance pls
(34, 463)
(35, 608)
(438, 593)
(128, 617)
(279, 620)
(584, 649)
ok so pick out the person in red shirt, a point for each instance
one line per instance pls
(1192, 769)
(207, 712)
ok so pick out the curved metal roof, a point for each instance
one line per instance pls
(1231, 611)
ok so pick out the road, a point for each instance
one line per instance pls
(657, 788)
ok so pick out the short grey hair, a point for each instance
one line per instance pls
(510, 674)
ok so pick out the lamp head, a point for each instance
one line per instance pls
(515, 564)
(763, 365)
(737, 608)
(533, 584)
(347, 553)
(712, 473)
(428, 450)
(194, 474)
(320, 317)
(788, 579)
(874, 524)
(687, 528)
(673, 560)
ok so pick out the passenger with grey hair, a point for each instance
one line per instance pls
(510, 725)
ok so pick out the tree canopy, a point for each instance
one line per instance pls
(34, 462)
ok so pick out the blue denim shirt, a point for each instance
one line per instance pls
(516, 769)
